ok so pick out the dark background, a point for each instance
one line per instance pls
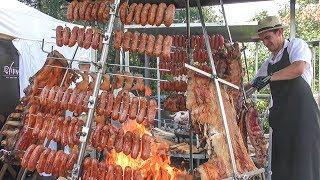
(9, 83)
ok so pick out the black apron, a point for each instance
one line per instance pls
(294, 118)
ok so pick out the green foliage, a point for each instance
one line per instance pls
(209, 15)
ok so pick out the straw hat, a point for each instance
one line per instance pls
(267, 24)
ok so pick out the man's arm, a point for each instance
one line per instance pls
(294, 70)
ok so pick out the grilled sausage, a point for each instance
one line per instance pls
(160, 14)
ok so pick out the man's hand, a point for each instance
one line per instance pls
(261, 81)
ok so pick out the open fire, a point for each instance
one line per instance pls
(156, 167)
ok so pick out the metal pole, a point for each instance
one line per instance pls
(256, 66)
(189, 55)
(225, 20)
(245, 62)
(159, 92)
(126, 61)
(146, 70)
(217, 85)
(318, 67)
(292, 19)
(314, 68)
(86, 130)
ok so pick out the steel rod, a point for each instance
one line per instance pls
(139, 67)
(113, 74)
(217, 85)
(70, 66)
(318, 68)
(159, 92)
(189, 55)
(292, 19)
(245, 62)
(93, 99)
(210, 76)
(225, 20)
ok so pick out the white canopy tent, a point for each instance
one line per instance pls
(26, 27)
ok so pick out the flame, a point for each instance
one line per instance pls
(156, 167)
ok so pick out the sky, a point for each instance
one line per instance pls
(244, 12)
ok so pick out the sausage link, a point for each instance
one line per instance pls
(136, 145)
(144, 14)
(125, 106)
(118, 172)
(76, 9)
(135, 42)
(169, 15)
(26, 156)
(112, 135)
(160, 14)
(87, 15)
(96, 39)
(152, 14)
(167, 42)
(58, 98)
(133, 108)
(45, 126)
(51, 128)
(74, 36)
(102, 171)
(110, 103)
(130, 14)
(34, 157)
(71, 161)
(56, 162)
(96, 135)
(123, 12)
(110, 173)
(142, 43)
(64, 139)
(83, 8)
(152, 111)
(81, 35)
(62, 165)
(38, 125)
(137, 175)
(137, 13)
(150, 44)
(158, 45)
(127, 173)
(42, 160)
(101, 10)
(77, 129)
(66, 35)
(95, 9)
(59, 36)
(104, 137)
(106, 14)
(72, 101)
(102, 103)
(142, 110)
(126, 41)
(146, 146)
(116, 106)
(71, 131)
(88, 38)
(71, 7)
(94, 168)
(58, 133)
(118, 34)
(127, 143)
(119, 143)
(48, 165)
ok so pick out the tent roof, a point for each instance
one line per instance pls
(24, 22)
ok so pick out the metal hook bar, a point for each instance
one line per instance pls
(42, 47)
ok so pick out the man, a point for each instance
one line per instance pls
(294, 115)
